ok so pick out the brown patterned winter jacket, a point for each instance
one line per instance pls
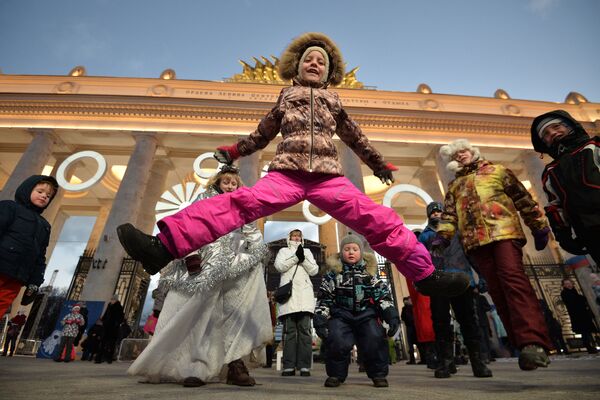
(308, 117)
(483, 203)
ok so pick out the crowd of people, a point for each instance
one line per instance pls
(212, 316)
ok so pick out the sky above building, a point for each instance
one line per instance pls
(533, 49)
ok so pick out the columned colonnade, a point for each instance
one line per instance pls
(155, 126)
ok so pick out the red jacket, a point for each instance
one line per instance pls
(422, 315)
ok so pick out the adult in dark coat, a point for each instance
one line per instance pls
(124, 332)
(92, 344)
(450, 257)
(411, 334)
(111, 320)
(554, 329)
(580, 314)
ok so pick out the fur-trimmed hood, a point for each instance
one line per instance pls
(447, 151)
(334, 263)
(288, 63)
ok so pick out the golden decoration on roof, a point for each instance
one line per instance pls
(265, 71)
(575, 98)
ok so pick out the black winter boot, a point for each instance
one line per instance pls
(431, 356)
(192, 381)
(332, 381)
(446, 365)
(480, 370)
(238, 374)
(147, 249)
(444, 284)
(380, 382)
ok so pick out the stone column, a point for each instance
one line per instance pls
(328, 237)
(443, 174)
(400, 286)
(31, 162)
(101, 218)
(534, 167)
(155, 188)
(250, 173)
(100, 282)
(57, 225)
(428, 179)
(351, 165)
(51, 212)
(250, 168)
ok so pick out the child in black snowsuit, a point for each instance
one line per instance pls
(24, 236)
(350, 303)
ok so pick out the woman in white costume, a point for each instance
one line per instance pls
(216, 310)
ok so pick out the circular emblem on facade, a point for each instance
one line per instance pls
(430, 104)
(66, 87)
(177, 198)
(80, 187)
(159, 90)
(310, 217)
(405, 188)
(198, 162)
(511, 109)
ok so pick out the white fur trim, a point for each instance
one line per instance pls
(449, 150)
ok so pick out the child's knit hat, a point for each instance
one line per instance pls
(352, 239)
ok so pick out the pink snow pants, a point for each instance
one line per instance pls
(205, 221)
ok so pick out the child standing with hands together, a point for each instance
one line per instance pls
(350, 302)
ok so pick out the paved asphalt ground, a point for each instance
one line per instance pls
(575, 377)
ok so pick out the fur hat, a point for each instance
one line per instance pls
(448, 151)
(290, 59)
